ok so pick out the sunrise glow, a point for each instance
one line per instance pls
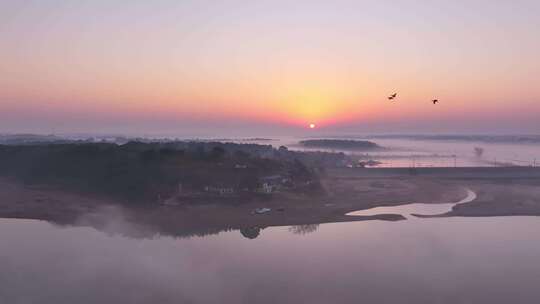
(178, 71)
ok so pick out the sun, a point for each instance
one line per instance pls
(312, 126)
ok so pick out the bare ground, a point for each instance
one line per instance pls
(509, 193)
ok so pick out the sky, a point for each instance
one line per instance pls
(269, 67)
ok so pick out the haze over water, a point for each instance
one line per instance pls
(271, 72)
(453, 260)
(416, 151)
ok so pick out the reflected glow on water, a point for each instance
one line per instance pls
(450, 260)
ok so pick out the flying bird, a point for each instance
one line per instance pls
(391, 97)
(435, 101)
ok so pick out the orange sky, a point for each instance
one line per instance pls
(271, 64)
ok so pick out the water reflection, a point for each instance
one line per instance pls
(250, 233)
(117, 221)
(450, 260)
(150, 223)
(304, 229)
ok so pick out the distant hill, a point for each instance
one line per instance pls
(341, 144)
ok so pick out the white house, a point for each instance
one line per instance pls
(219, 190)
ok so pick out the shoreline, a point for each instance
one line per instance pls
(513, 191)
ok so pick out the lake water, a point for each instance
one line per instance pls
(407, 210)
(443, 260)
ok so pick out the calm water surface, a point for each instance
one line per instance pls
(407, 210)
(451, 260)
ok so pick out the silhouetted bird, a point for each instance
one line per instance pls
(435, 101)
(391, 97)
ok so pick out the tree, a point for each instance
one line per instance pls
(217, 153)
(478, 151)
(250, 233)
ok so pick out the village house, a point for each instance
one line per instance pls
(272, 183)
(219, 190)
(272, 179)
(266, 188)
